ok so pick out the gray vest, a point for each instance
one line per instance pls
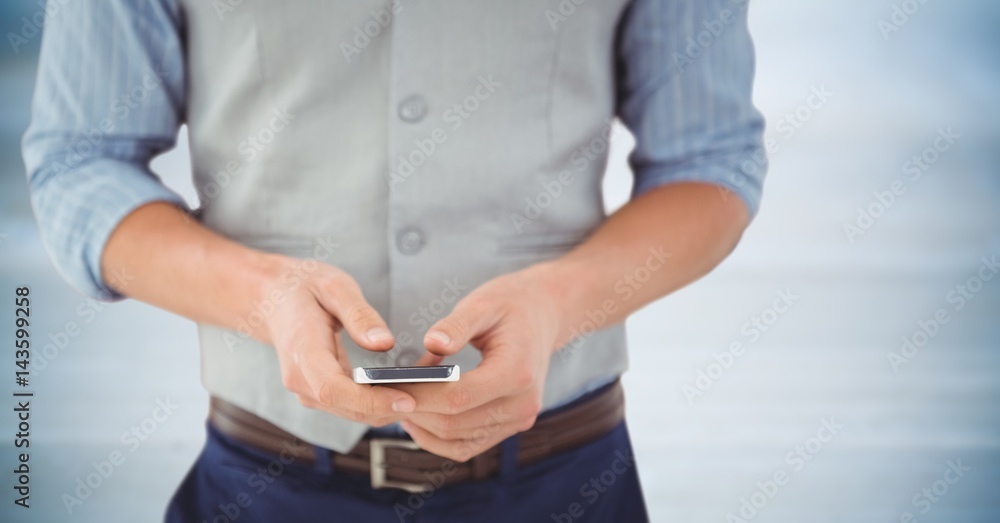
(424, 147)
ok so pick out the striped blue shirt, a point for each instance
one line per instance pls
(110, 96)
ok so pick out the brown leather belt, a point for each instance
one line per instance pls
(399, 463)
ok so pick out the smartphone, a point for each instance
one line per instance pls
(426, 374)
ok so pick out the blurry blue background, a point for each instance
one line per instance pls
(825, 359)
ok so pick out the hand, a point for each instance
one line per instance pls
(515, 321)
(304, 328)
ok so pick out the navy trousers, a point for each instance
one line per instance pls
(231, 482)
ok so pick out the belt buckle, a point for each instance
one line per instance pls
(378, 465)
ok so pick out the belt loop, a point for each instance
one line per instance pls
(324, 463)
(508, 457)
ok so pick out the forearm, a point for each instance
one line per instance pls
(161, 256)
(654, 245)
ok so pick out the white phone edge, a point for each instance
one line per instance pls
(361, 377)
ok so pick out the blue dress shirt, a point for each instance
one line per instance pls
(110, 96)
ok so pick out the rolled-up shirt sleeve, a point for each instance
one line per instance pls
(685, 79)
(109, 97)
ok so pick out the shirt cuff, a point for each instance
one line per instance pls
(732, 179)
(82, 208)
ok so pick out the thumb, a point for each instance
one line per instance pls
(362, 322)
(429, 359)
(454, 331)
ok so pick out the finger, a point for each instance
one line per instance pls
(308, 402)
(458, 450)
(361, 403)
(331, 387)
(342, 298)
(389, 420)
(429, 359)
(299, 336)
(341, 355)
(497, 376)
(472, 424)
(291, 376)
(467, 320)
(376, 422)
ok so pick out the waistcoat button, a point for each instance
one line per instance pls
(410, 241)
(413, 109)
